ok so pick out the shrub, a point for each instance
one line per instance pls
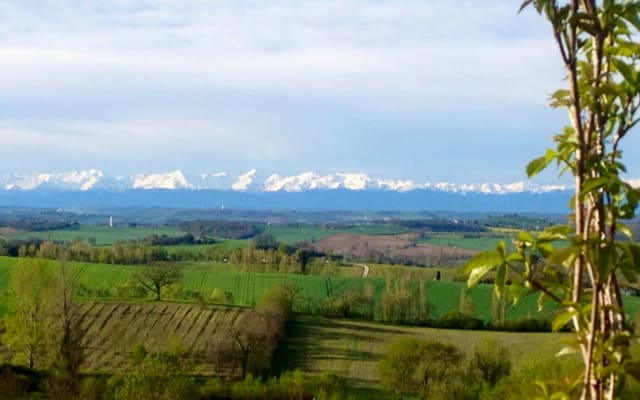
(221, 296)
(490, 362)
(457, 320)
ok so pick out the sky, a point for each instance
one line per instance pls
(431, 90)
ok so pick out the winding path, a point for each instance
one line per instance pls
(365, 269)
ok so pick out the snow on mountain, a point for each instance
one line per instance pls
(77, 180)
(399, 186)
(96, 179)
(351, 181)
(354, 181)
(170, 180)
(492, 188)
(298, 183)
(244, 181)
(216, 180)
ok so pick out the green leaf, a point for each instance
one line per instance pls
(525, 4)
(562, 255)
(567, 350)
(545, 249)
(525, 237)
(500, 280)
(501, 250)
(626, 71)
(562, 319)
(555, 233)
(480, 265)
(515, 292)
(540, 163)
(625, 230)
(591, 185)
(542, 301)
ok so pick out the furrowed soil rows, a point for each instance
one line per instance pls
(114, 328)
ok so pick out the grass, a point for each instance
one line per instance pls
(397, 271)
(103, 235)
(481, 242)
(348, 349)
(352, 349)
(377, 229)
(223, 245)
(296, 234)
(247, 288)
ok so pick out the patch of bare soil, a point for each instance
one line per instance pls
(403, 248)
(5, 231)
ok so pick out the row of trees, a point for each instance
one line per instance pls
(264, 254)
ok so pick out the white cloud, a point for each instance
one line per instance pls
(348, 50)
(196, 84)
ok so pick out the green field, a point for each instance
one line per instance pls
(248, 288)
(479, 242)
(103, 235)
(224, 245)
(347, 349)
(296, 234)
(352, 349)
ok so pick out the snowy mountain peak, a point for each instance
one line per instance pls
(77, 180)
(95, 179)
(244, 181)
(170, 180)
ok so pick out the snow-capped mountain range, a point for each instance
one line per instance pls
(95, 179)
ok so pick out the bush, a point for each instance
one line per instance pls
(16, 382)
(527, 325)
(458, 320)
(221, 296)
(490, 362)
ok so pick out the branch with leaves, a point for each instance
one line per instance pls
(578, 266)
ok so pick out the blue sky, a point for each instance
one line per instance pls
(427, 90)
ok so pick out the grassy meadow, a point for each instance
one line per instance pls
(247, 288)
(103, 235)
(352, 349)
(479, 242)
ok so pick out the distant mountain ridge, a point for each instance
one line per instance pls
(556, 202)
(93, 179)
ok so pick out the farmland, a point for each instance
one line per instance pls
(114, 328)
(352, 349)
(103, 235)
(247, 288)
(212, 296)
(348, 349)
(385, 248)
(478, 242)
